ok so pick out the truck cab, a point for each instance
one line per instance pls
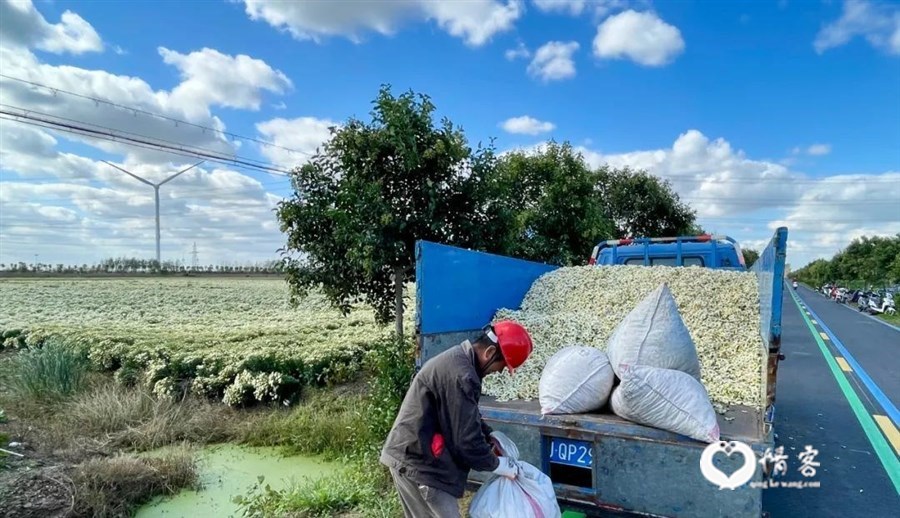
(707, 251)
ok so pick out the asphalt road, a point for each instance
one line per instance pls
(835, 392)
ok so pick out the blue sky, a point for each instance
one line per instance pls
(759, 113)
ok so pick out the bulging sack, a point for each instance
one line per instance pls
(666, 399)
(576, 379)
(654, 334)
(530, 495)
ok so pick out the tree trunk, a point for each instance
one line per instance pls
(398, 301)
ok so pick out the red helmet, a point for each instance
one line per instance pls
(514, 341)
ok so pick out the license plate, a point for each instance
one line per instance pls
(572, 452)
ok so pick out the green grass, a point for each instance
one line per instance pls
(324, 423)
(891, 319)
(47, 374)
(363, 488)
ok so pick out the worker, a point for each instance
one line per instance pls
(439, 436)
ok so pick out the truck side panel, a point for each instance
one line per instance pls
(769, 270)
(458, 291)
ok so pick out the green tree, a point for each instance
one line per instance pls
(545, 206)
(750, 256)
(643, 205)
(370, 193)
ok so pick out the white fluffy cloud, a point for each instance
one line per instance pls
(521, 51)
(212, 78)
(599, 8)
(68, 206)
(553, 61)
(22, 25)
(641, 37)
(526, 125)
(474, 21)
(301, 136)
(878, 23)
(574, 7)
(748, 198)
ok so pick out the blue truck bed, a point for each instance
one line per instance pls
(624, 467)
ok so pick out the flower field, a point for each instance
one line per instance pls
(234, 339)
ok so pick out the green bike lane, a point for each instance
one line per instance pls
(822, 404)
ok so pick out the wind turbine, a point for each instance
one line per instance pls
(156, 187)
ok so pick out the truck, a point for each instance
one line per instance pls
(601, 464)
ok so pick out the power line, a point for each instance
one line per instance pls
(109, 134)
(134, 110)
(51, 121)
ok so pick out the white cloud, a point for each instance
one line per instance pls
(641, 37)
(521, 51)
(878, 23)
(819, 149)
(474, 21)
(212, 78)
(21, 25)
(303, 135)
(748, 198)
(70, 207)
(599, 8)
(526, 125)
(573, 7)
(553, 61)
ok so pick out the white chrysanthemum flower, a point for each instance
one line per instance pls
(584, 304)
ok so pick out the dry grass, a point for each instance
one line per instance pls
(115, 486)
(114, 417)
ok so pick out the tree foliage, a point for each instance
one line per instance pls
(750, 256)
(643, 205)
(375, 188)
(546, 206)
(866, 262)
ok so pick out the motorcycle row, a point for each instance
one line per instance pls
(869, 302)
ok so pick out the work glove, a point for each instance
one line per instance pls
(507, 468)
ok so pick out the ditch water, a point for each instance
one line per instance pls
(230, 470)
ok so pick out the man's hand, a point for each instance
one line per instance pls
(507, 468)
(498, 451)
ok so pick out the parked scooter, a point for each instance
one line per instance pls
(862, 303)
(885, 305)
(874, 304)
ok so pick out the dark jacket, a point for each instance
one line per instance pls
(439, 435)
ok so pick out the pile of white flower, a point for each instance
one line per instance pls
(583, 305)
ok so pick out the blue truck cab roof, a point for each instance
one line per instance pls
(707, 251)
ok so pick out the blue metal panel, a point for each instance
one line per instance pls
(665, 480)
(714, 254)
(769, 269)
(460, 290)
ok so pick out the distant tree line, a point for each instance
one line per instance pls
(867, 263)
(134, 265)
